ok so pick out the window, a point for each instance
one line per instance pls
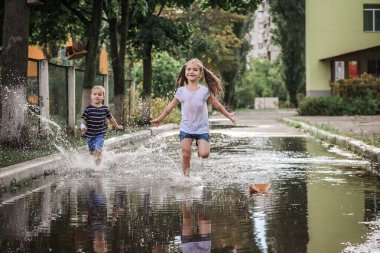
(373, 67)
(371, 17)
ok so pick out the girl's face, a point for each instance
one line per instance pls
(193, 72)
(97, 96)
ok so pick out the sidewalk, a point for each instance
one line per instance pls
(48, 164)
(355, 133)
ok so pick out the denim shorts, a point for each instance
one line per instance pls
(95, 143)
(183, 135)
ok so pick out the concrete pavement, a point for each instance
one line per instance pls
(251, 122)
(348, 132)
(40, 166)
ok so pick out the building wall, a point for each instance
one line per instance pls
(333, 27)
(261, 36)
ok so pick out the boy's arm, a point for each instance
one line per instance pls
(83, 126)
(166, 112)
(217, 105)
(114, 123)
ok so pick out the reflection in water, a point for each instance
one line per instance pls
(142, 204)
(195, 241)
(97, 218)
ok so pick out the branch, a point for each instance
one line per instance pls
(77, 13)
(162, 7)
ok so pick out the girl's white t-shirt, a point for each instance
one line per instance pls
(194, 112)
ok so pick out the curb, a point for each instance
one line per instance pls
(358, 147)
(39, 166)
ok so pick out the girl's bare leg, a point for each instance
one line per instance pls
(186, 155)
(203, 148)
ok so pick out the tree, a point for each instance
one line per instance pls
(13, 65)
(219, 39)
(119, 15)
(289, 17)
(92, 21)
(50, 26)
(165, 72)
(156, 31)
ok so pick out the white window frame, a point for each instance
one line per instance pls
(373, 18)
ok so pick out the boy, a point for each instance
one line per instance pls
(94, 123)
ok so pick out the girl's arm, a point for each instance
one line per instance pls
(166, 112)
(217, 105)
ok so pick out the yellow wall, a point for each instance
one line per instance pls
(333, 27)
(103, 62)
(35, 52)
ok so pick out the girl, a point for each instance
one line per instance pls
(193, 98)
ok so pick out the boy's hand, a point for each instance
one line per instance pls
(83, 128)
(119, 127)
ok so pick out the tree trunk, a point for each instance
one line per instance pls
(14, 62)
(118, 59)
(147, 84)
(92, 51)
(229, 89)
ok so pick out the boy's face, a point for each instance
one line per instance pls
(97, 96)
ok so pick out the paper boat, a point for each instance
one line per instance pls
(259, 188)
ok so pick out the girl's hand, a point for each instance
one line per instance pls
(120, 127)
(156, 122)
(232, 118)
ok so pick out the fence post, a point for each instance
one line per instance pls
(132, 98)
(106, 87)
(71, 99)
(44, 96)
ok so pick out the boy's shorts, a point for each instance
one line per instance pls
(183, 135)
(95, 143)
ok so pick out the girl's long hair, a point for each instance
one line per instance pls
(212, 81)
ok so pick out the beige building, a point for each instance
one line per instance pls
(342, 41)
(261, 36)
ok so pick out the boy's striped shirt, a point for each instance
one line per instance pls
(95, 118)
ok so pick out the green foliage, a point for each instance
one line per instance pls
(134, 109)
(218, 40)
(261, 79)
(151, 26)
(165, 71)
(236, 6)
(365, 85)
(289, 17)
(354, 96)
(337, 106)
(324, 106)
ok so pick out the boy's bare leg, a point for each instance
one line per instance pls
(186, 155)
(98, 156)
(203, 148)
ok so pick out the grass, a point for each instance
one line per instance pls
(44, 147)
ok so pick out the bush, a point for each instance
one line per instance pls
(357, 87)
(134, 106)
(336, 106)
(324, 106)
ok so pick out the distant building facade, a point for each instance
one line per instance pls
(342, 41)
(261, 36)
